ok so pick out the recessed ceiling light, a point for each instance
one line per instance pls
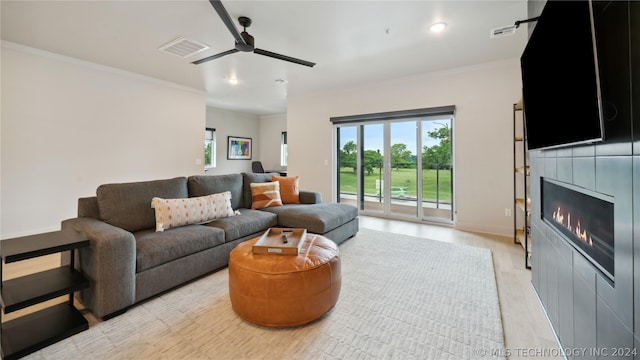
(438, 27)
(281, 81)
(233, 81)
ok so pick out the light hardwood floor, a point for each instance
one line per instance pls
(526, 330)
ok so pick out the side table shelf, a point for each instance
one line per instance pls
(29, 333)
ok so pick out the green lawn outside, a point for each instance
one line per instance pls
(405, 178)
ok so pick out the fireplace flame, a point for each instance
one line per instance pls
(580, 233)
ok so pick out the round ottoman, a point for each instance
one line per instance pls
(285, 290)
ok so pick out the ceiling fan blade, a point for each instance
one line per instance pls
(226, 19)
(208, 58)
(284, 57)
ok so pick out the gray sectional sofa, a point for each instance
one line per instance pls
(128, 261)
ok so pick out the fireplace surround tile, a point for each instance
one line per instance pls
(541, 260)
(552, 278)
(606, 292)
(565, 296)
(537, 167)
(584, 309)
(584, 172)
(613, 148)
(564, 152)
(552, 153)
(565, 169)
(582, 268)
(614, 175)
(535, 249)
(566, 252)
(584, 151)
(551, 167)
(611, 331)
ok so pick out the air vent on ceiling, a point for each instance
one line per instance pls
(502, 31)
(183, 47)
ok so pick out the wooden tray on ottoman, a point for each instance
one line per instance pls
(272, 242)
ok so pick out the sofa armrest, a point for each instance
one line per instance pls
(109, 262)
(310, 197)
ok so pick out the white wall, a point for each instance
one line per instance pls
(483, 134)
(271, 128)
(69, 126)
(232, 123)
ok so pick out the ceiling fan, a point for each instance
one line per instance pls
(244, 41)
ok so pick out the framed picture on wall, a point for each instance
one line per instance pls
(238, 148)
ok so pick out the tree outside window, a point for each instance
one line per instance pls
(438, 156)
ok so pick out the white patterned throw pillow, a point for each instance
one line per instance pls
(172, 213)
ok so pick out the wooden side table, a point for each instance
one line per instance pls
(32, 332)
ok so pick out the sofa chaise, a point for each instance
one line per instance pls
(128, 260)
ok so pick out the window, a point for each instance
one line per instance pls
(397, 164)
(283, 149)
(210, 147)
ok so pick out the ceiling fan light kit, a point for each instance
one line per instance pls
(244, 41)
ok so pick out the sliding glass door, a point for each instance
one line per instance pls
(360, 166)
(437, 169)
(347, 160)
(403, 168)
(397, 168)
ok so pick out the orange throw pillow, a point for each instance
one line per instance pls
(289, 191)
(265, 195)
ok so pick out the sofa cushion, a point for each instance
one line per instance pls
(289, 188)
(172, 213)
(126, 205)
(264, 195)
(316, 218)
(250, 178)
(157, 248)
(247, 223)
(201, 185)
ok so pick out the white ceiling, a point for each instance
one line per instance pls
(352, 42)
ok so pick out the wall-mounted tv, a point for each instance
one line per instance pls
(560, 78)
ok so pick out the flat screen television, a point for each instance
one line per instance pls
(561, 93)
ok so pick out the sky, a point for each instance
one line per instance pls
(401, 132)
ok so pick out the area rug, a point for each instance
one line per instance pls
(402, 297)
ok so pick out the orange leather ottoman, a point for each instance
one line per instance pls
(285, 290)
